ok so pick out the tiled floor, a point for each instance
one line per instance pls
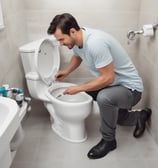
(42, 148)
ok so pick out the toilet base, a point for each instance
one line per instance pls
(72, 133)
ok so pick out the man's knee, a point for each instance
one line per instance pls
(103, 98)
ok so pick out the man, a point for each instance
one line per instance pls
(117, 86)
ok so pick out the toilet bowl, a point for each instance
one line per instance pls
(41, 61)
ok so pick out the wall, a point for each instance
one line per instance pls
(147, 61)
(115, 17)
(11, 37)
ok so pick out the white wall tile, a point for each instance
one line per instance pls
(12, 36)
(148, 60)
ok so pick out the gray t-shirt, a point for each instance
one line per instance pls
(100, 49)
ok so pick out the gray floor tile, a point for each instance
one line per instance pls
(42, 148)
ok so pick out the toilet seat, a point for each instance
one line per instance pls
(77, 98)
(47, 52)
(47, 60)
(56, 92)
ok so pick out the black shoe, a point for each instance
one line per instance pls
(101, 149)
(141, 122)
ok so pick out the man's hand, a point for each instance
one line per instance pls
(61, 75)
(72, 90)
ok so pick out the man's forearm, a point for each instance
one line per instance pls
(74, 63)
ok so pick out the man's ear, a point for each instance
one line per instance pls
(72, 31)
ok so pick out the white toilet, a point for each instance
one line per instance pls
(41, 61)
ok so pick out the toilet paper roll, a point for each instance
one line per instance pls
(148, 30)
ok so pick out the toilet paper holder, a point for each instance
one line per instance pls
(147, 31)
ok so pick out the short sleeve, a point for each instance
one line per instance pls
(101, 54)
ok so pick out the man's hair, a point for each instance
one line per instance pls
(64, 22)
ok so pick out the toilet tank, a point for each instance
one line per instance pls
(35, 84)
(27, 53)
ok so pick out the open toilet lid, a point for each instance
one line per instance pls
(47, 60)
